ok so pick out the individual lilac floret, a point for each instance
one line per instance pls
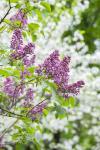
(75, 87)
(17, 41)
(9, 86)
(21, 17)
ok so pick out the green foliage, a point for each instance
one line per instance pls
(46, 5)
(90, 23)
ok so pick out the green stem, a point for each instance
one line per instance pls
(12, 113)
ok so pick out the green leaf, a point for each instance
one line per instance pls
(46, 5)
(45, 112)
(34, 37)
(2, 51)
(20, 147)
(14, 1)
(7, 21)
(4, 73)
(71, 101)
(33, 27)
(2, 28)
(39, 14)
(18, 5)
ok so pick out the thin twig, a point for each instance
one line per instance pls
(9, 112)
(7, 129)
(6, 12)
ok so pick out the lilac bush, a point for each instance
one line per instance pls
(19, 90)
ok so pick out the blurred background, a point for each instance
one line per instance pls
(73, 28)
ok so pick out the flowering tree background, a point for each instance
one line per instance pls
(48, 49)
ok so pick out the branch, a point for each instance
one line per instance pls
(7, 129)
(6, 13)
(12, 113)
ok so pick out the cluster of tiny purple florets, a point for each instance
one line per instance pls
(58, 71)
(9, 86)
(11, 89)
(21, 17)
(29, 97)
(21, 51)
(38, 110)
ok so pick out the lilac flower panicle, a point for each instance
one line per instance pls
(17, 40)
(18, 90)
(9, 86)
(29, 94)
(29, 97)
(20, 16)
(20, 50)
(75, 87)
(58, 71)
(38, 109)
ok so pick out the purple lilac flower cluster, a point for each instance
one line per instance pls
(38, 109)
(17, 40)
(58, 70)
(21, 51)
(11, 89)
(29, 97)
(9, 86)
(21, 17)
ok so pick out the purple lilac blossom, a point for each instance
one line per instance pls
(17, 41)
(38, 109)
(10, 89)
(29, 97)
(75, 87)
(58, 71)
(20, 16)
(22, 51)
(9, 86)
(18, 90)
